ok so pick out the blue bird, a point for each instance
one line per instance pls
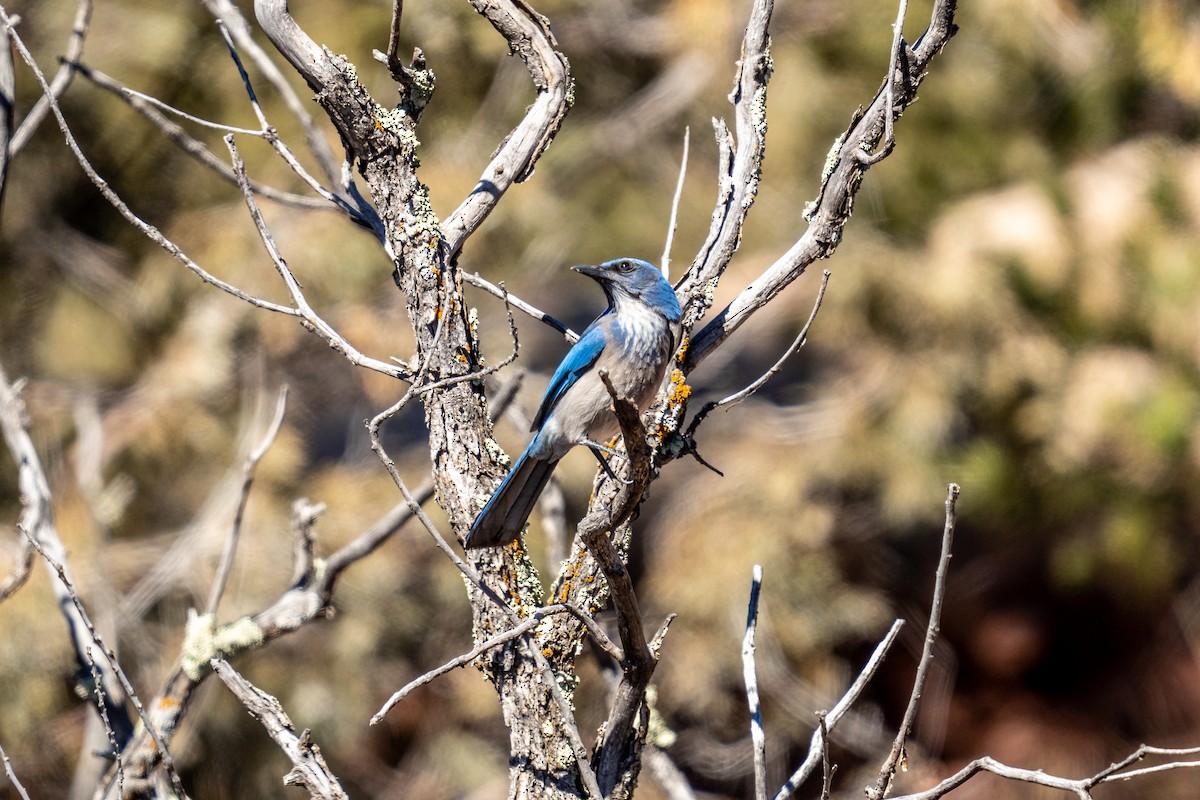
(633, 341)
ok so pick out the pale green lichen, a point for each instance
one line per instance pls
(834, 155)
(497, 452)
(239, 635)
(423, 225)
(658, 732)
(203, 641)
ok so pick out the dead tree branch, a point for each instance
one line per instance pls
(309, 769)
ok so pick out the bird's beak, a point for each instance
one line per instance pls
(591, 270)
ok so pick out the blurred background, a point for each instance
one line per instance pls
(1016, 308)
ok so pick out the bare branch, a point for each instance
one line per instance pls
(533, 620)
(239, 30)
(896, 73)
(571, 729)
(248, 468)
(194, 147)
(739, 169)
(482, 283)
(8, 99)
(528, 35)
(60, 570)
(309, 768)
(12, 776)
(116, 202)
(60, 82)
(817, 743)
(619, 746)
(39, 530)
(840, 183)
(888, 770)
(393, 51)
(1081, 788)
(102, 707)
(799, 342)
(757, 735)
(674, 223)
(309, 318)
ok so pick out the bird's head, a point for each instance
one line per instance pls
(632, 278)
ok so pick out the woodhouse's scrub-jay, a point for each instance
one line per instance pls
(633, 341)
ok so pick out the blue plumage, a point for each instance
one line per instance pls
(633, 341)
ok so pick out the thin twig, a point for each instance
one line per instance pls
(61, 80)
(813, 759)
(102, 707)
(359, 211)
(308, 766)
(393, 51)
(894, 72)
(534, 619)
(8, 101)
(248, 468)
(167, 761)
(38, 528)
(1081, 788)
(799, 342)
(309, 318)
(482, 283)
(12, 776)
(227, 12)
(757, 736)
(888, 770)
(150, 231)
(674, 223)
(827, 770)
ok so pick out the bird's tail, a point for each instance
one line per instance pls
(502, 519)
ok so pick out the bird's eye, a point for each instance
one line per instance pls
(626, 266)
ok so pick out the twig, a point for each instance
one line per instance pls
(12, 776)
(674, 223)
(239, 30)
(148, 230)
(813, 759)
(826, 769)
(739, 166)
(529, 37)
(799, 342)
(194, 147)
(248, 468)
(393, 51)
(841, 180)
(38, 528)
(757, 736)
(888, 770)
(309, 318)
(8, 100)
(359, 210)
(895, 72)
(670, 778)
(102, 707)
(167, 761)
(1081, 788)
(519, 304)
(61, 80)
(308, 765)
(533, 620)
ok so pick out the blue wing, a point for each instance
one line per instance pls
(577, 362)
